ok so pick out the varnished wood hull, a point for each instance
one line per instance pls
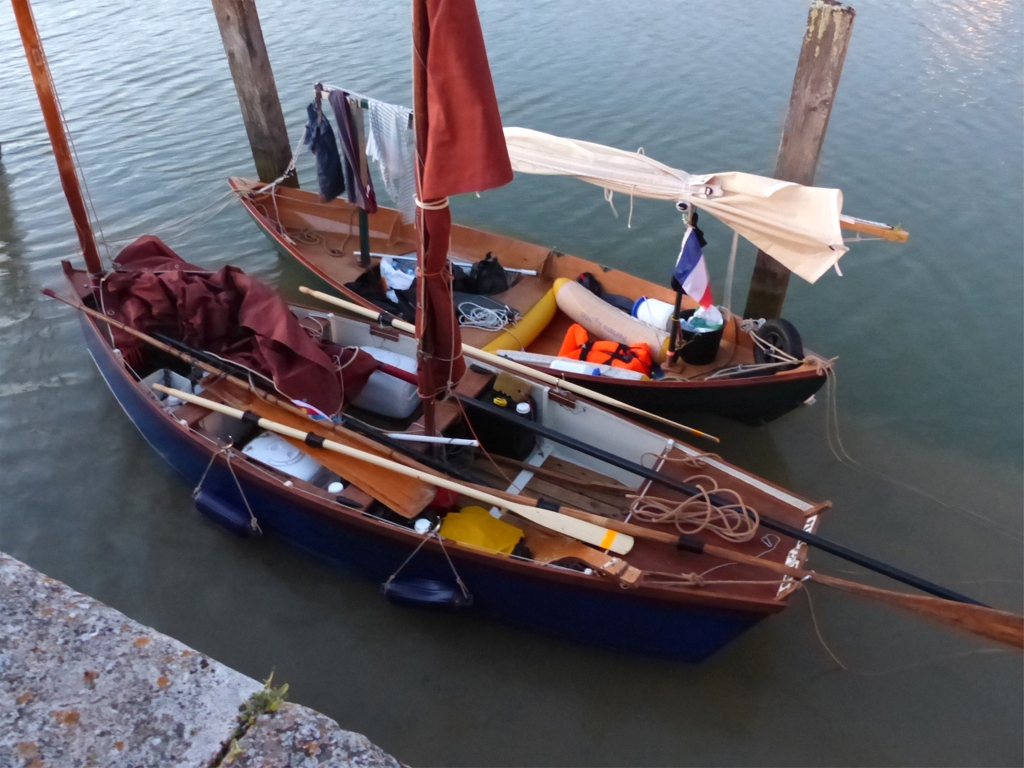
(687, 625)
(755, 398)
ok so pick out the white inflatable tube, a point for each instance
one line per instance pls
(605, 321)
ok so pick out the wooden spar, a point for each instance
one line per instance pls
(505, 363)
(257, 93)
(588, 532)
(874, 228)
(55, 127)
(420, 43)
(1000, 626)
(829, 25)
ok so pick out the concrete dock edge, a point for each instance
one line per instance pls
(82, 684)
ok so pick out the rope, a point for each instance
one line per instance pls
(168, 228)
(226, 451)
(435, 205)
(734, 522)
(473, 315)
(835, 445)
(432, 533)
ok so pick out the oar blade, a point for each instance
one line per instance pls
(992, 624)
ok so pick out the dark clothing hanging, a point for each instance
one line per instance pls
(320, 140)
(352, 133)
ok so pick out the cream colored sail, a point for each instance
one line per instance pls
(796, 225)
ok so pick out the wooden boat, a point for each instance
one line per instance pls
(563, 594)
(632, 584)
(324, 237)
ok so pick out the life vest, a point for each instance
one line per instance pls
(578, 345)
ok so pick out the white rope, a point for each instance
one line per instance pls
(436, 205)
(473, 315)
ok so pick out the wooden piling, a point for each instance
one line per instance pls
(257, 92)
(829, 25)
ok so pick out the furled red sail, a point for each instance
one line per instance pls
(460, 148)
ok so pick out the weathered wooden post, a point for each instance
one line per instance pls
(254, 82)
(829, 24)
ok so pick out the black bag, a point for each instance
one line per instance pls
(488, 276)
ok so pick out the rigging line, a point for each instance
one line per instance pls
(211, 211)
(843, 457)
(817, 629)
(79, 170)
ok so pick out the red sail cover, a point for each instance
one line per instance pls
(461, 148)
(233, 316)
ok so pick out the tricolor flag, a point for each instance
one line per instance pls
(691, 271)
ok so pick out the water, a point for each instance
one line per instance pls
(926, 132)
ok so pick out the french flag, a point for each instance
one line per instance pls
(691, 270)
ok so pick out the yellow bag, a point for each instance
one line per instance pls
(476, 527)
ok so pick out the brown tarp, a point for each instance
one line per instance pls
(460, 148)
(232, 315)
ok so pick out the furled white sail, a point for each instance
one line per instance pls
(796, 225)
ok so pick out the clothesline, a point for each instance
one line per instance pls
(369, 129)
(364, 101)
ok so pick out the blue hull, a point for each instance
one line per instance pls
(567, 605)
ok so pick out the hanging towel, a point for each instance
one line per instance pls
(320, 139)
(391, 145)
(353, 145)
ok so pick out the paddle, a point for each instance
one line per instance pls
(502, 362)
(406, 496)
(585, 531)
(1000, 626)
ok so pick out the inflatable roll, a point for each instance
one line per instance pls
(605, 321)
(529, 327)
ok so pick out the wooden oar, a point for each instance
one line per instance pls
(505, 363)
(1000, 626)
(406, 496)
(585, 531)
(875, 228)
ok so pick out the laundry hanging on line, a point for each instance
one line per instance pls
(319, 137)
(391, 144)
(351, 130)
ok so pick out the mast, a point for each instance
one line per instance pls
(420, 41)
(55, 127)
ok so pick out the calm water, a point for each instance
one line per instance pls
(927, 132)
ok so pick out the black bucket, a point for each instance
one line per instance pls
(700, 348)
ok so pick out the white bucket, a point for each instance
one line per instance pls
(652, 312)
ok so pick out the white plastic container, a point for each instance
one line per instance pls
(652, 312)
(278, 453)
(170, 379)
(386, 395)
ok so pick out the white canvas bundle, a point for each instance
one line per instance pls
(796, 225)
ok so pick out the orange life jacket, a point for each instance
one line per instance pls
(578, 345)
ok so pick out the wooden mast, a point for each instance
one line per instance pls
(55, 127)
(420, 40)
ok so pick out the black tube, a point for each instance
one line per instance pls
(691, 490)
(364, 238)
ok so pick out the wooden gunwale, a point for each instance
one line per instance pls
(315, 502)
